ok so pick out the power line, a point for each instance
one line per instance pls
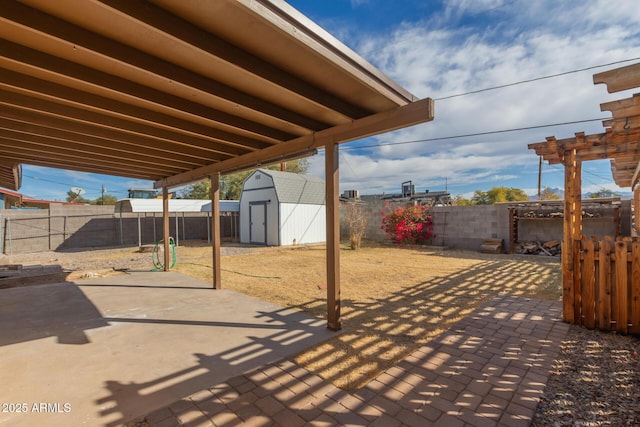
(536, 79)
(67, 184)
(54, 182)
(442, 138)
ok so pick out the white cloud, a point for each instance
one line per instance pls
(529, 40)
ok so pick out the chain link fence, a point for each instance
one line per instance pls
(39, 230)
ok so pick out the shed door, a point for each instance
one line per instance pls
(258, 223)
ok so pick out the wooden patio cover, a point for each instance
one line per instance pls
(620, 142)
(179, 91)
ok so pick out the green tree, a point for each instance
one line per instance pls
(461, 201)
(231, 185)
(603, 193)
(480, 198)
(200, 190)
(76, 198)
(548, 194)
(107, 199)
(498, 195)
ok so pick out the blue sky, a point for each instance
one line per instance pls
(442, 48)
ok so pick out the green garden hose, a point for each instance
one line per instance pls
(158, 264)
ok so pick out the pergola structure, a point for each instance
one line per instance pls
(620, 142)
(179, 91)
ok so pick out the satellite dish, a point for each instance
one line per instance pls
(77, 190)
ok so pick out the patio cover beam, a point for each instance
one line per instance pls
(407, 115)
(619, 79)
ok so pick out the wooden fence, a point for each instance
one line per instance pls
(607, 284)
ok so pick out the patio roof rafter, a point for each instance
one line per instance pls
(621, 140)
(179, 91)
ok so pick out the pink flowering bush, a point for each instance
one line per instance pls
(408, 225)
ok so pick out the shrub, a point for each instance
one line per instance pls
(409, 225)
(357, 219)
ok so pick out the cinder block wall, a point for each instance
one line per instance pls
(466, 227)
(70, 227)
(463, 227)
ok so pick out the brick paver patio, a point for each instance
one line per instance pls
(489, 369)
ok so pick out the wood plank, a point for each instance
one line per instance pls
(577, 284)
(407, 115)
(620, 105)
(622, 124)
(635, 286)
(165, 228)
(588, 284)
(572, 229)
(215, 230)
(619, 79)
(636, 207)
(620, 312)
(604, 285)
(333, 237)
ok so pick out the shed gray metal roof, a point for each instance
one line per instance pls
(297, 188)
(175, 205)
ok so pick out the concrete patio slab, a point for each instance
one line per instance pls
(490, 369)
(102, 351)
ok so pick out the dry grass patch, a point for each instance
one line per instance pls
(393, 300)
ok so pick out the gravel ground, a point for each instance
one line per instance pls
(594, 382)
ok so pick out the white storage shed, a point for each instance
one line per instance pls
(282, 208)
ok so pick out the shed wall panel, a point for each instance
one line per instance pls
(300, 224)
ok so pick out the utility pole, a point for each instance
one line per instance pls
(103, 191)
(539, 179)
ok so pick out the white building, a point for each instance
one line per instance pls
(282, 208)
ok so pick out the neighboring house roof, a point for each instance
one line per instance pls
(10, 193)
(27, 201)
(296, 188)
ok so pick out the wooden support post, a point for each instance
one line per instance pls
(572, 230)
(539, 179)
(635, 287)
(513, 229)
(636, 208)
(215, 229)
(333, 236)
(165, 228)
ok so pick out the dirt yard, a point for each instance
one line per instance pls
(393, 301)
